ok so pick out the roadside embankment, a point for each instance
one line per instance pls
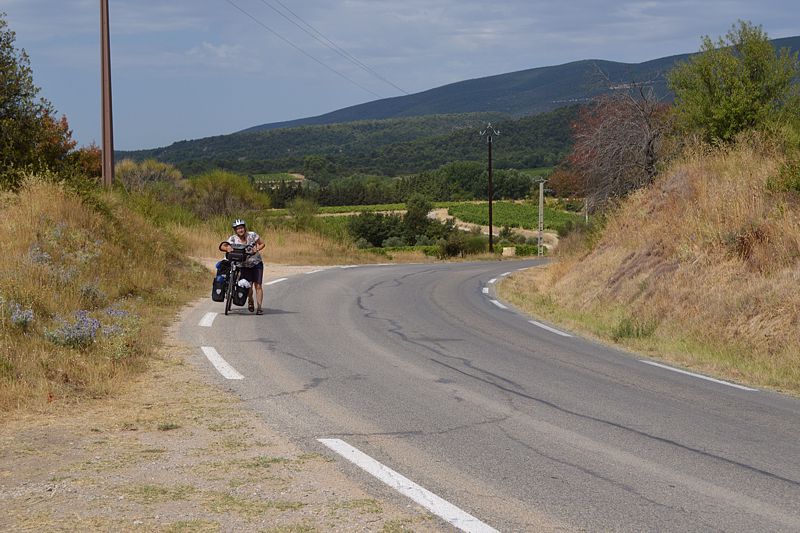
(86, 286)
(701, 269)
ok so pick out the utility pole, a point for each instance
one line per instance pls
(106, 111)
(541, 182)
(490, 132)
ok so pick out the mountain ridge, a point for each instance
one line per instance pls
(518, 93)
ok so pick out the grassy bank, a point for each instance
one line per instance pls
(700, 269)
(86, 291)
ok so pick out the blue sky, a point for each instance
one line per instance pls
(186, 69)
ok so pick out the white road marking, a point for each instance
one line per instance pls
(498, 304)
(521, 269)
(505, 274)
(207, 320)
(438, 506)
(274, 281)
(486, 290)
(315, 271)
(548, 328)
(492, 281)
(349, 266)
(221, 364)
(698, 375)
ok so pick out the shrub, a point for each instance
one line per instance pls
(78, 334)
(137, 177)
(303, 211)
(363, 243)
(393, 242)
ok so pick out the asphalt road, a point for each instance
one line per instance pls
(525, 429)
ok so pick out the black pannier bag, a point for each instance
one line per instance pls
(240, 295)
(223, 267)
(218, 288)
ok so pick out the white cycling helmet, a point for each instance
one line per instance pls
(239, 222)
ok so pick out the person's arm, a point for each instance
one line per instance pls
(225, 246)
(259, 245)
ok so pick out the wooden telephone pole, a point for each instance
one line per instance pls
(106, 112)
(490, 132)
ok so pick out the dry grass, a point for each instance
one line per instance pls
(61, 256)
(701, 268)
(285, 246)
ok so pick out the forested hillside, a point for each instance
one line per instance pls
(387, 147)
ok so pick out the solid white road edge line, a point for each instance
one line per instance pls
(485, 290)
(222, 366)
(498, 304)
(207, 320)
(548, 328)
(742, 387)
(504, 274)
(315, 271)
(438, 506)
(274, 281)
(492, 281)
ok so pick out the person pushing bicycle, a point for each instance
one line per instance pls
(253, 267)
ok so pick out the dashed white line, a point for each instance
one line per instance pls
(698, 376)
(492, 281)
(438, 506)
(498, 304)
(485, 290)
(523, 268)
(505, 274)
(548, 328)
(315, 271)
(207, 320)
(274, 281)
(222, 366)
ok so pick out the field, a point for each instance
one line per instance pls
(513, 214)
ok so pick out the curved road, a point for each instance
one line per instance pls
(522, 427)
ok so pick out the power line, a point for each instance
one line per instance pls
(296, 47)
(321, 38)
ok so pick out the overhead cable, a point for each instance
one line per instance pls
(324, 40)
(296, 47)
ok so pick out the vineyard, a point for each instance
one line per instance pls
(513, 214)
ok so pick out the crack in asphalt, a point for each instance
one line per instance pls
(314, 383)
(519, 391)
(624, 486)
(397, 329)
(421, 433)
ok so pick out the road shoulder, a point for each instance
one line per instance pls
(175, 453)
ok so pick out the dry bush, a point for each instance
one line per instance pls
(97, 283)
(707, 258)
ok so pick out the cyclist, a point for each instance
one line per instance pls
(253, 267)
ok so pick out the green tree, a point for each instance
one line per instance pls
(739, 82)
(416, 221)
(30, 138)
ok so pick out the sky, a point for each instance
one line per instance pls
(185, 69)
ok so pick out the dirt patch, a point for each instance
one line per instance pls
(173, 453)
(441, 214)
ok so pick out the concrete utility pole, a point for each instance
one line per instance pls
(490, 132)
(107, 120)
(541, 182)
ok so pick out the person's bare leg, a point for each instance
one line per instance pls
(259, 294)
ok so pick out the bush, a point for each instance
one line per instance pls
(224, 193)
(136, 177)
(375, 227)
(303, 212)
(393, 242)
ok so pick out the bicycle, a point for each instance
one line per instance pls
(236, 258)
